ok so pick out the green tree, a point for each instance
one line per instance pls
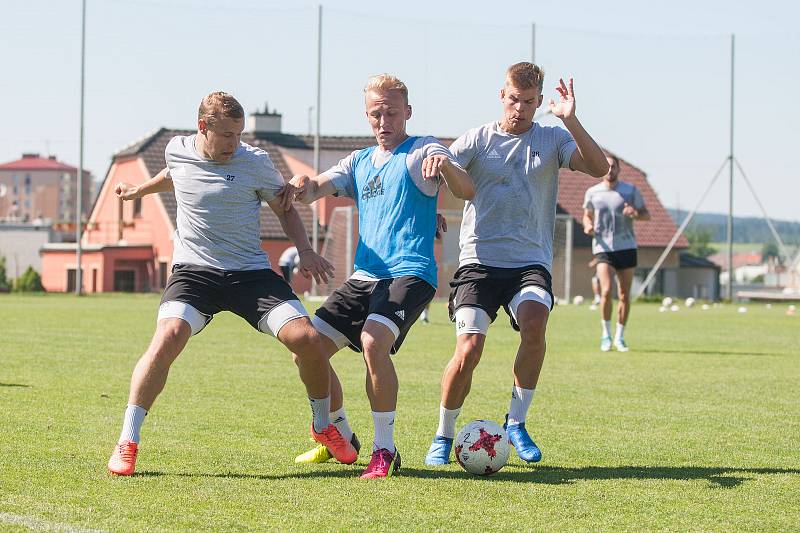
(770, 249)
(29, 281)
(4, 284)
(699, 241)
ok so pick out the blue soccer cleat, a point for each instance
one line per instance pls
(527, 450)
(439, 452)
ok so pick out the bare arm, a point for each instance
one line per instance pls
(457, 180)
(636, 214)
(306, 190)
(158, 183)
(588, 222)
(588, 158)
(311, 264)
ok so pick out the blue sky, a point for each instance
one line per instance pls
(651, 78)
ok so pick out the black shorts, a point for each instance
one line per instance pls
(489, 288)
(620, 260)
(251, 294)
(401, 300)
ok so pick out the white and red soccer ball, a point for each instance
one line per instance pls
(482, 447)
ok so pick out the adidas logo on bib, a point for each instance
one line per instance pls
(494, 155)
(401, 314)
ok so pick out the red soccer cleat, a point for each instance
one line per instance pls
(341, 449)
(123, 460)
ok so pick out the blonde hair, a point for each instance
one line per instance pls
(218, 105)
(386, 82)
(525, 75)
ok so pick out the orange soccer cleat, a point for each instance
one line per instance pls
(341, 449)
(123, 460)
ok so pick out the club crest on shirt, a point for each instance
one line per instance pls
(372, 188)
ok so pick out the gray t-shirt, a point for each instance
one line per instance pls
(613, 231)
(218, 221)
(511, 220)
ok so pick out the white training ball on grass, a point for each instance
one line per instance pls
(578, 300)
(674, 308)
(482, 447)
(742, 309)
(769, 306)
(662, 309)
(705, 307)
(666, 302)
(690, 302)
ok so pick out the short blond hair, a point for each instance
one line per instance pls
(386, 82)
(218, 105)
(525, 76)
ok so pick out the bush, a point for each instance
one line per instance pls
(29, 281)
(5, 286)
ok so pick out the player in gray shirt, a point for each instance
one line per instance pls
(219, 265)
(609, 209)
(506, 243)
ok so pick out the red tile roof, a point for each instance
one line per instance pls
(34, 162)
(655, 232)
(151, 150)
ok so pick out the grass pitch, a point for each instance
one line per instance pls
(697, 428)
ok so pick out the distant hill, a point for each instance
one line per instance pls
(745, 229)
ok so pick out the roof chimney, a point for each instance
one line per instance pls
(30, 155)
(264, 122)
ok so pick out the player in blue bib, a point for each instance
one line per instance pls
(395, 186)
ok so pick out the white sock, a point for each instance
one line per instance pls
(620, 331)
(520, 403)
(132, 423)
(606, 328)
(339, 419)
(424, 314)
(320, 410)
(384, 430)
(447, 422)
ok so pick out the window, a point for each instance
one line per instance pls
(162, 274)
(137, 208)
(124, 280)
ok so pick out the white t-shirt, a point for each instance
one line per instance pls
(613, 231)
(219, 204)
(511, 220)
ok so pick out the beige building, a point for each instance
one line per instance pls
(44, 189)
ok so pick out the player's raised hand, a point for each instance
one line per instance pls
(432, 166)
(441, 225)
(565, 107)
(313, 264)
(126, 191)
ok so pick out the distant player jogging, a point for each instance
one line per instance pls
(395, 186)
(506, 244)
(609, 209)
(219, 265)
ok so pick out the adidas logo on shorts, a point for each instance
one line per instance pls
(401, 314)
(494, 155)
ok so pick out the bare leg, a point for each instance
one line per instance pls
(604, 272)
(151, 371)
(532, 319)
(457, 377)
(624, 282)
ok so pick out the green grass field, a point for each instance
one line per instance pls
(697, 428)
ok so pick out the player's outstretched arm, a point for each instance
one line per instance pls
(457, 180)
(588, 222)
(161, 182)
(306, 190)
(588, 158)
(311, 263)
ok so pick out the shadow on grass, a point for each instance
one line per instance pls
(14, 385)
(546, 475)
(714, 352)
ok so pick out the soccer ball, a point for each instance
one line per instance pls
(482, 447)
(690, 302)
